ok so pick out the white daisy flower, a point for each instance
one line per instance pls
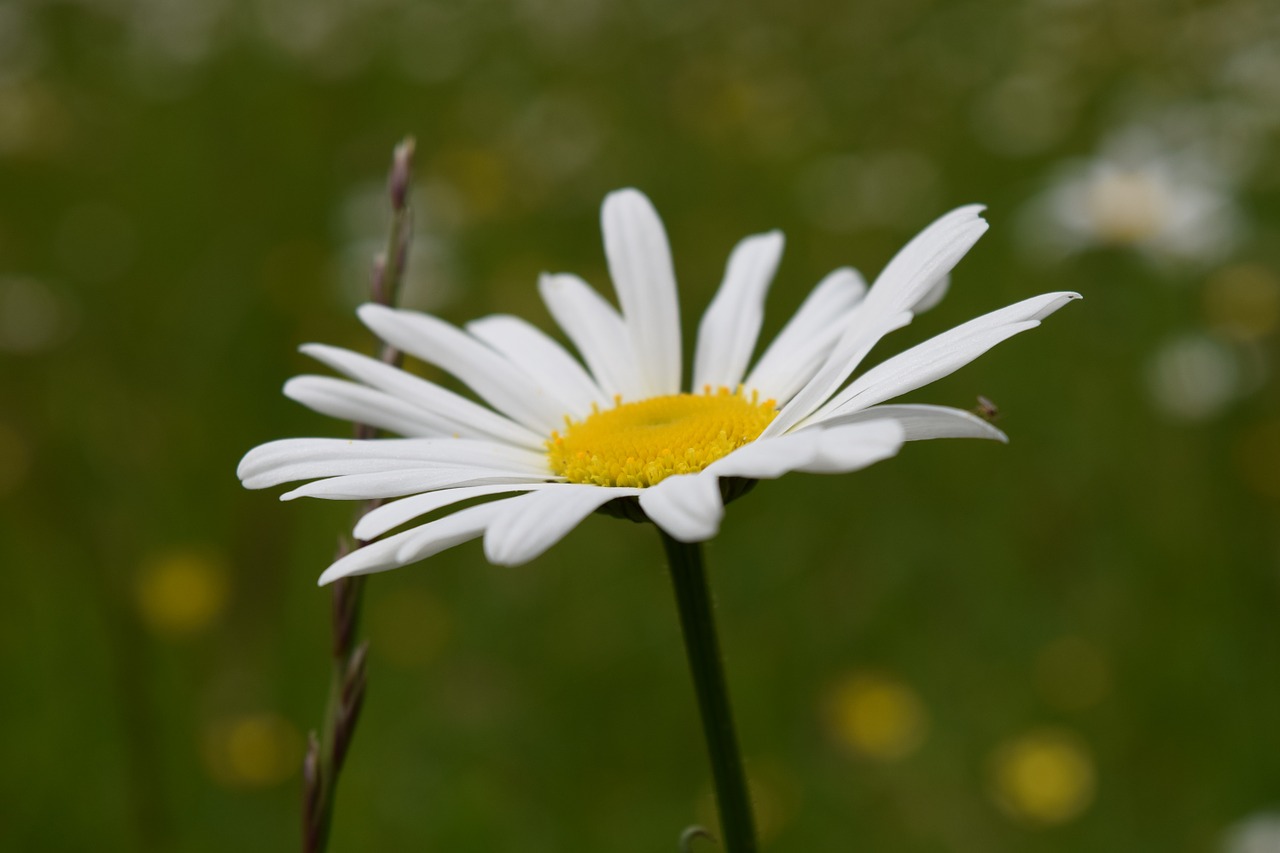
(1170, 205)
(558, 439)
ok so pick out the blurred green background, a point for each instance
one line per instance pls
(1068, 643)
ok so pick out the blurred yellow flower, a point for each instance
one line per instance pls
(1044, 776)
(1257, 458)
(775, 798)
(181, 592)
(876, 716)
(252, 750)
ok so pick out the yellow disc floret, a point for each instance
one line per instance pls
(642, 443)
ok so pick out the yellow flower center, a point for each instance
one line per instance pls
(640, 444)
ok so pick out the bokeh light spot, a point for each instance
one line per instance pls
(775, 797)
(33, 119)
(1072, 674)
(482, 178)
(182, 592)
(1243, 301)
(1257, 458)
(32, 317)
(252, 750)
(1193, 377)
(1045, 776)
(876, 716)
(1257, 833)
(879, 189)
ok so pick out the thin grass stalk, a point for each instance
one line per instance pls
(327, 750)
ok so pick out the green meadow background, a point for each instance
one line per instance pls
(1069, 643)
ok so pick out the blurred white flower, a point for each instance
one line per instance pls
(1168, 205)
(1258, 833)
(1194, 377)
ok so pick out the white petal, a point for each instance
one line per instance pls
(769, 458)
(686, 506)
(907, 279)
(848, 352)
(942, 355)
(544, 360)
(530, 524)
(597, 330)
(921, 422)
(449, 414)
(394, 484)
(816, 450)
(428, 539)
(853, 447)
(919, 266)
(807, 338)
(348, 401)
(304, 458)
(388, 516)
(464, 525)
(729, 328)
(640, 264)
(374, 557)
(933, 295)
(485, 371)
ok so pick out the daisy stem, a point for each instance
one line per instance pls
(327, 751)
(693, 599)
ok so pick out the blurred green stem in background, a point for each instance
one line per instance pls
(326, 753)
(693, 599)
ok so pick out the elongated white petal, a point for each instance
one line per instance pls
(921, 422)
(374, 557)
(448, 414)
(462, 526)
(545, 361)
(942, 354)
(807, 338)
(305, 458)
(532, 523)
(848, 352)
(933, 295)
(485, 371)
(816, 450)
(348, 401)
(729, 328)
(686, 506)
(640, 264)
(425, 540)
(409, 481)
(844, 449)
(388, 516)
(769, 458)
(905, 281)
(918, 267)
(458, 451)
(598, 332)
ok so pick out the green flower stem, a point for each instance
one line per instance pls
(693, 599)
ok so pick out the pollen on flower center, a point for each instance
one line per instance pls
(640, 444)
